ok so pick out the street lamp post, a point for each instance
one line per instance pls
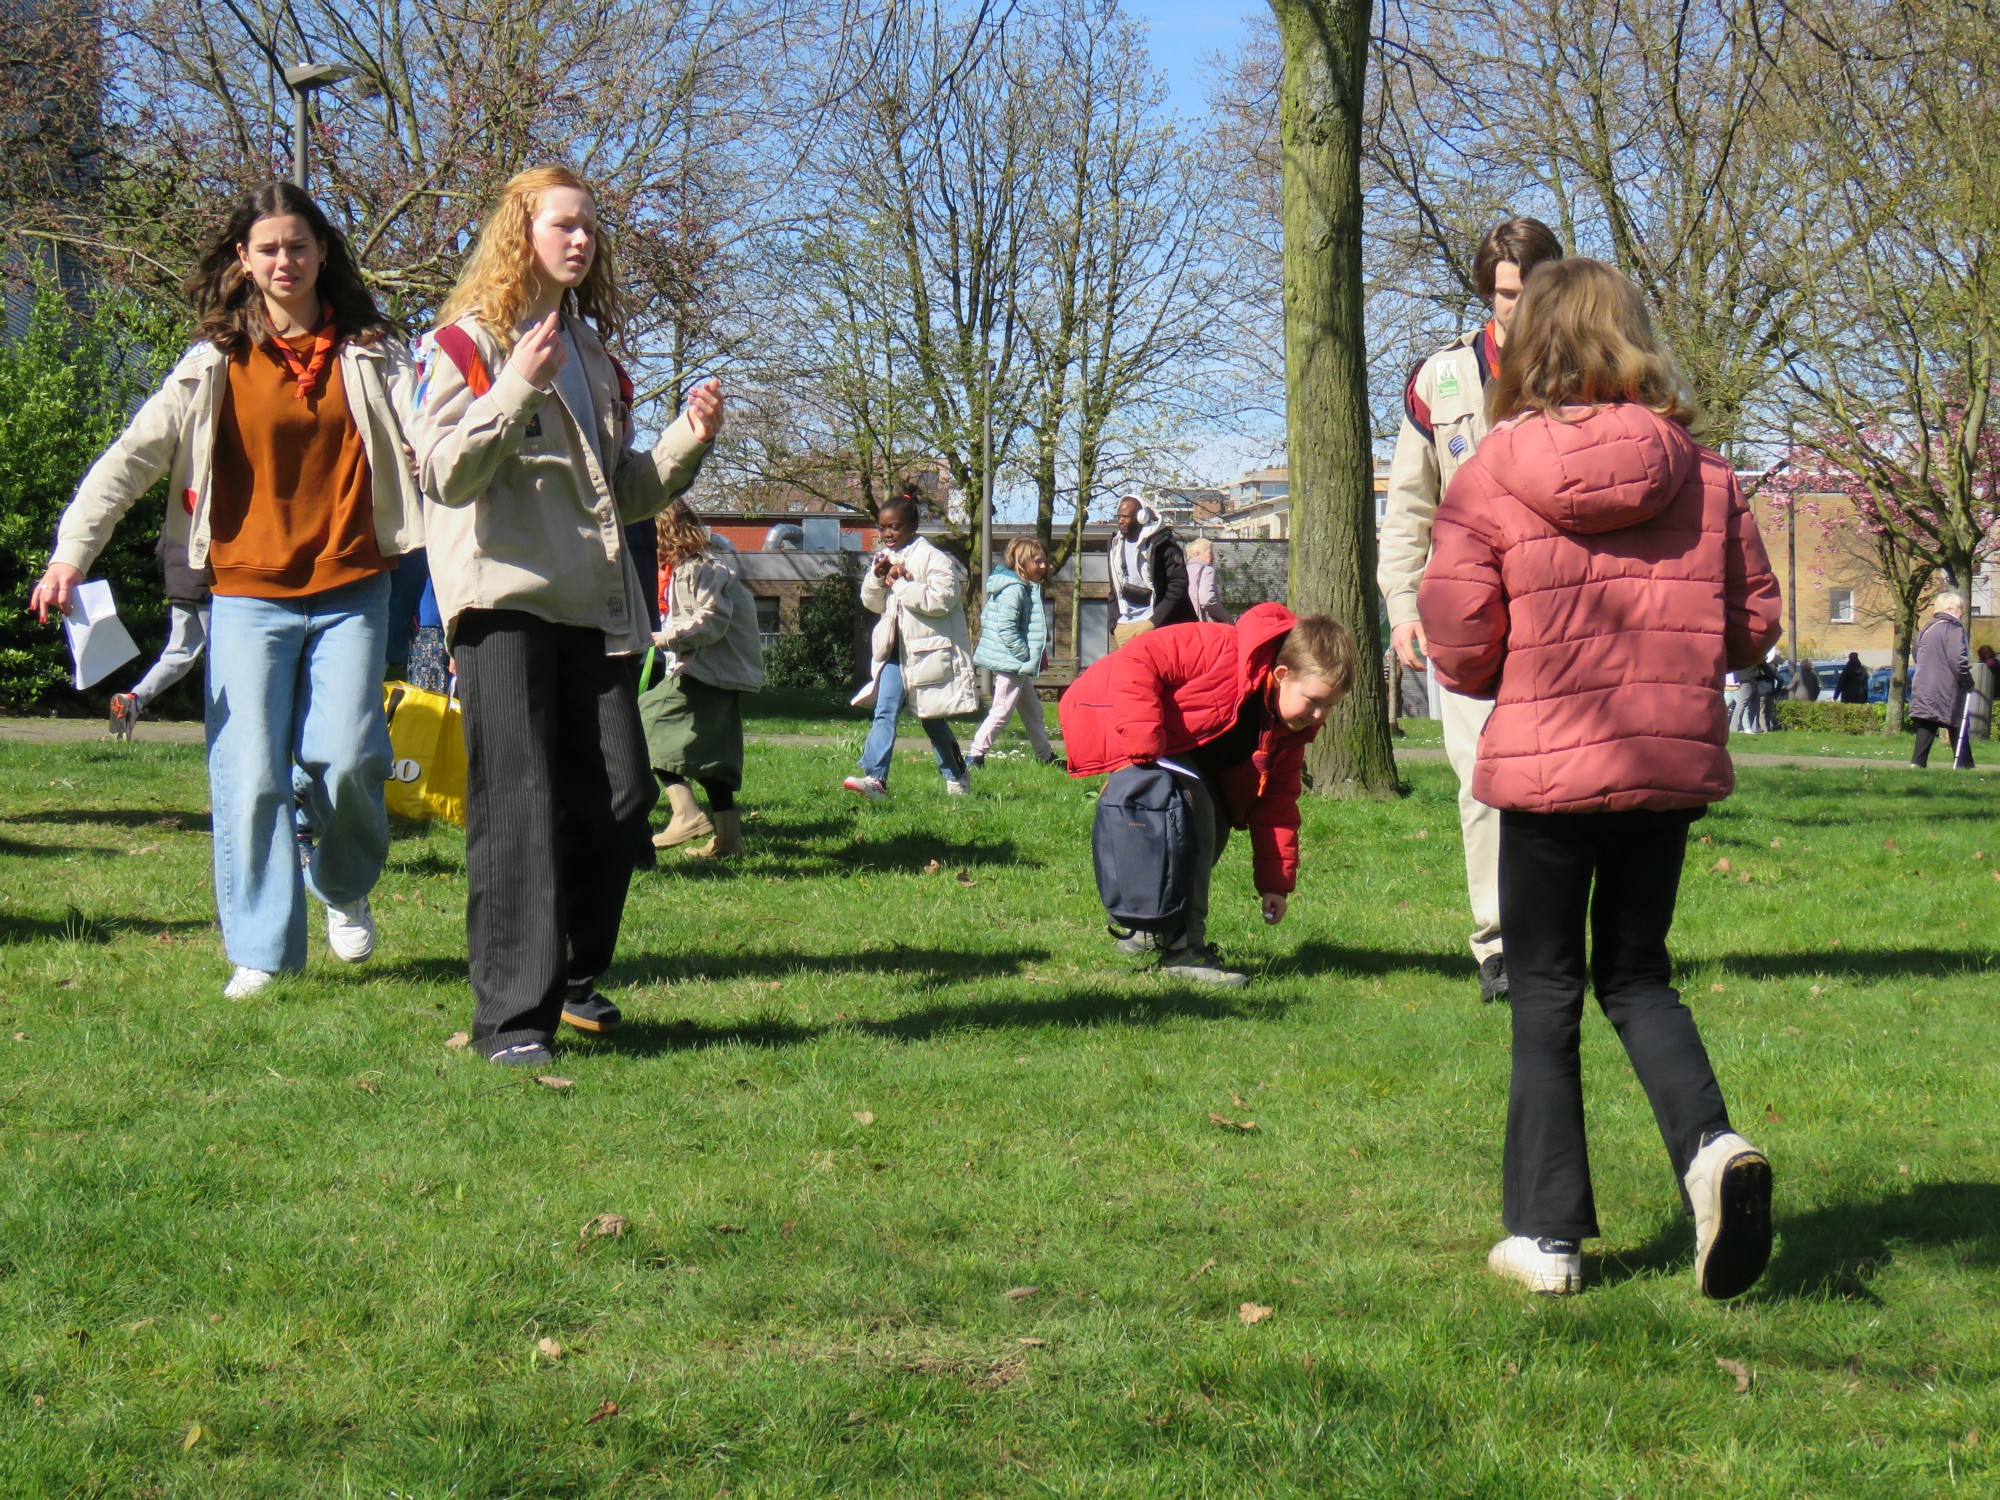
(302, 81)
(986, 497)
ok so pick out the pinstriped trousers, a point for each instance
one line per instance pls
(557, 794)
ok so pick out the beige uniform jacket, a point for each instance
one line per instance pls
(525, 501)
(1444, 419)
(923, 621)
(709, 621)
(174, 433)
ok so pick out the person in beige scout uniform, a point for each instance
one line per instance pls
(523, 432)
(1444, 418)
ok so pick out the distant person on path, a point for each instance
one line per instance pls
(1806, 685)
(919, 649)
(187, 633)
(1203, 590)
(1853, 684)
(1944, 676)
(1229, 709)
(523, 434)
(1013, 646)
(1596, 572)
(1444, 420)
(693, 716)
(1765, 680)
(1149, 576)
(289, 483)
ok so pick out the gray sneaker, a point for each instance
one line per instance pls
(1202, 965)
(1134, 943)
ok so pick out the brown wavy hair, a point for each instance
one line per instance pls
(1522, 241)
(1581, 337)
(227, 302)
(500, 273)
(682, 536)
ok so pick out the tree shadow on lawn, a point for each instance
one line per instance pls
(1837, 1250)
(75, 926)
(1317, 959)
(1870, 963)
(1077, 1008)
(828, 854)
(115, 817)
(924, 968)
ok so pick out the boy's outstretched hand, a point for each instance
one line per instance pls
(1274, 909)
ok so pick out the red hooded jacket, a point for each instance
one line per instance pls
(1173, 689)
(1595, 577)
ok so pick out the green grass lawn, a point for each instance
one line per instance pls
(299, 1246)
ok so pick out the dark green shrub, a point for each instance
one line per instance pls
(67, 388)
(1831, 718)
(820, 652)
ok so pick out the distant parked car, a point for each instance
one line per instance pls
(1878, 686)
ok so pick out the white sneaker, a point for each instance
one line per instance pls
(959, 787)
(866, 786)
(1552, 1272)
(1729, 1185)
(350, 930)
(244, 983)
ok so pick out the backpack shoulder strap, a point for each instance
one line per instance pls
(626, 390)
(459, 348)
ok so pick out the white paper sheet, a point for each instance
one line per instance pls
(98, 639)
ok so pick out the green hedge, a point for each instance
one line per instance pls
(66, 389)
(820, 652)
(1831, 718)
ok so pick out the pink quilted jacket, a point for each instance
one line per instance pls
(1596, 577)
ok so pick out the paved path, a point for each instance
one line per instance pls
(50, 731)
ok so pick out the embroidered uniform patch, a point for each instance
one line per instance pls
(1447, 382)
(1458, 445)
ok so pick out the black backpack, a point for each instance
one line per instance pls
(1143, 846)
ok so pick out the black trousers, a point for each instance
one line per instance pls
(1618, 874)
(557, 792)
(1927, 733)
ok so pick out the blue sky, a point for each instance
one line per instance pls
(1182, 32)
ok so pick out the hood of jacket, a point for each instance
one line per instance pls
(1259, 630)
(1604, 468)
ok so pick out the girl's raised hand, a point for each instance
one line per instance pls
(538, 353)
(704, 409)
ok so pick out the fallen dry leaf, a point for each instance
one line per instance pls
(1744, 878)
(549, 1349)
(1715, 989)
(1777, 843)
(459, 1041)
(193, 1437)
(1891, 844)
(1306, 1361)
(604, 1409)
(728, 1228)
(1251, 1312)
(864, 1117)
(20, 1036)
(170, 824)
(1994, 873)
(367, 1085)
(1793, 1030)
(1237, 1099)
(1021, 1293)
(1720, 867)
(1033, 1343)
(550, 1081)
(601, 1226)
(1207, 1265)
(933, 868)
(149, 849)
(965, 878)
(1773, 1116)
(1228, 1124)
(1979, 854)
(1513, 1369)
(1903, 1170)
(1706, 839)
(1742, 1375)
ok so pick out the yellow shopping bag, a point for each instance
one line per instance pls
(427, 754)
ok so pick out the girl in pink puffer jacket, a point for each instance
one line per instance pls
(1595, 572)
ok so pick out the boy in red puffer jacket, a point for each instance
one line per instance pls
(1595, 574)
(1230, 710)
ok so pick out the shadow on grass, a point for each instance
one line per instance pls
(827, 847)
(924, 968)
(1838, 1250)
(1316, 959)
(1884, 963)
(115, 817)
(1077, 1008)
(20, 849)
(74, 926)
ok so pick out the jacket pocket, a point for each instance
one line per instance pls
(929, 666)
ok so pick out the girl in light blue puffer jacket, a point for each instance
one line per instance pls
(1013, 645)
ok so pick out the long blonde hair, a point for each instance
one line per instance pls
(494, 286)
(1581, 337)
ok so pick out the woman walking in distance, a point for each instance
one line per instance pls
(523, 432)
(1596, 572)
(694, 716)
(1013, 639)
(290, 486)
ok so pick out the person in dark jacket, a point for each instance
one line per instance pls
(1944, 672)
(1853, 684)
(1149, 578)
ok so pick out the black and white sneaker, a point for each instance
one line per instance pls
(587, 1010)
(1492, 979)
(1729, 1185)
(1552, 1267)
(522, 1055)
(1202, 965)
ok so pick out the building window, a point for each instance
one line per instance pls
(1840, 606)
(769, 621)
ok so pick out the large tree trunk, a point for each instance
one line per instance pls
(1326, 376)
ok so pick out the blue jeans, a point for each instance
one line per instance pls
(295, 680)
(406, 591)
(880, 747)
